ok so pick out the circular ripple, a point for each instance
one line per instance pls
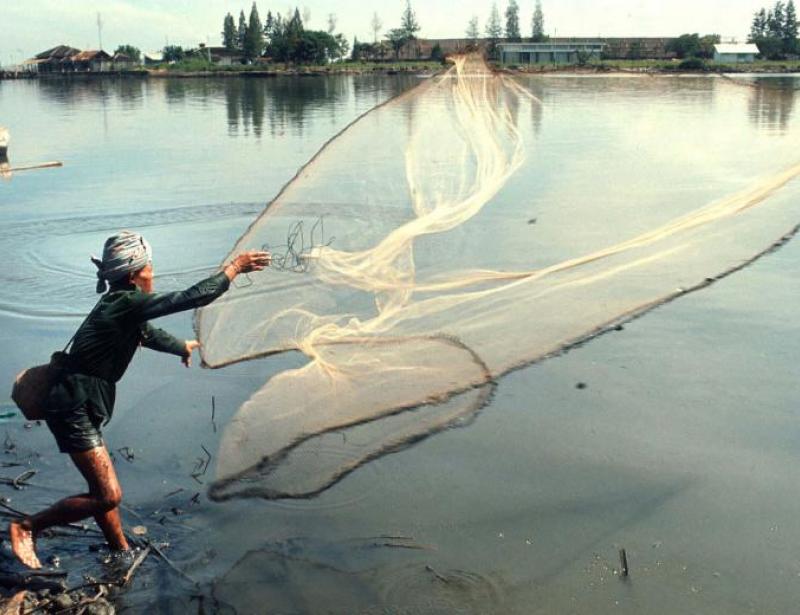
(426, 588)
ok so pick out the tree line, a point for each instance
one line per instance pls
(396, 38)
(511, 31)
(282, 38)
(285, 38)
(775, 31)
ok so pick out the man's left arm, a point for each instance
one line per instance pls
(158, 339)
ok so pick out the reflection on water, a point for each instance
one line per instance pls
(128, 92)
(772, 103)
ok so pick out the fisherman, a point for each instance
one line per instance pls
(82, 398)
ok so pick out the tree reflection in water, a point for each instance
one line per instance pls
(771, 103)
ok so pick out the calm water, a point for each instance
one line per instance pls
(682, 448)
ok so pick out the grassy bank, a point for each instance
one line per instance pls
(669, 66)
(202, 67)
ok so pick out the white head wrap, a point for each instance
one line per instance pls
(123, 253)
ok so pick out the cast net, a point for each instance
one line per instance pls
(426, 286)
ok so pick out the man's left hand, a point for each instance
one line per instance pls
(190, 346)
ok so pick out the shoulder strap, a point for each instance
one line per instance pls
(85, 320)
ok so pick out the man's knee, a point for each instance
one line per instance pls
(110, 499)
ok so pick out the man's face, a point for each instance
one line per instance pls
(143, 279)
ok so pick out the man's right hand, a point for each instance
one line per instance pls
(246, 262)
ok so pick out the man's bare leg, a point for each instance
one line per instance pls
(102, 503)
(103, 483)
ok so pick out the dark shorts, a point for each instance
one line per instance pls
(75, 430)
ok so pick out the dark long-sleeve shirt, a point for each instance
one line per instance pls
(106, 342)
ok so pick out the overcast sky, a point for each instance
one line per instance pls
(30, 26)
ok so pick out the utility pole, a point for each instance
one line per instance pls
(100, 30)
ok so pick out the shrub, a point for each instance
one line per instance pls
(692, 64)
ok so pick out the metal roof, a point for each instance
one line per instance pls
(58, 52)
(85, 56)
(737, 48)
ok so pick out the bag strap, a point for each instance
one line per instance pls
(85, 320)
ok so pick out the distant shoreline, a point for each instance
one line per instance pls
(642, 67)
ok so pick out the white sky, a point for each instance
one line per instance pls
(30, 26)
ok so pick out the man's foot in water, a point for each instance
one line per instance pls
(22, 545)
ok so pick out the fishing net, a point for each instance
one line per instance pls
(423, 283)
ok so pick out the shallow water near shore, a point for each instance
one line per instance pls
(681, 447)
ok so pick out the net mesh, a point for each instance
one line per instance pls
(425, 290)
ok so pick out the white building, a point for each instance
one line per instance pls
(548, 53)
(734, 53)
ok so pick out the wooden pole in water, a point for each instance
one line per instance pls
(31, 167)
(623, 563)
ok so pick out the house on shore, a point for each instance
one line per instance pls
(64, 59)
(633, 48)
(50, 61)
(91, 61)
(221, 56)
(152, 57)
(730, 53)
(548, 53)
(122, 62)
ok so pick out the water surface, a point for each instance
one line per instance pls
(681, 448)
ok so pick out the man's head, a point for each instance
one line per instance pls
(126, 257)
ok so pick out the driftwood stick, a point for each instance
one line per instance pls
(31, 167)
(136, 563)
(433, 571)
(22, 479)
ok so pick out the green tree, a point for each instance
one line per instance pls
(775, 21)
(770, 47)
(493, 30)
(790, 43)
(409, 23)
(229, 32)
(241, 32)
(269, 28)
(173, 53)
(512, 21)
(314, 47)
(706, 49)
(129, 50)
(294, 27)
(758, 29)
(685, 46)
(582, 57)
(473, 31)
(437, 53)
(358, 50)
(254, 36)
(342, 46)
(397, 39)
(537, 24)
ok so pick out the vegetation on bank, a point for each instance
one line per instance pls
(196, 65)
(345, 67)
(669, 66)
